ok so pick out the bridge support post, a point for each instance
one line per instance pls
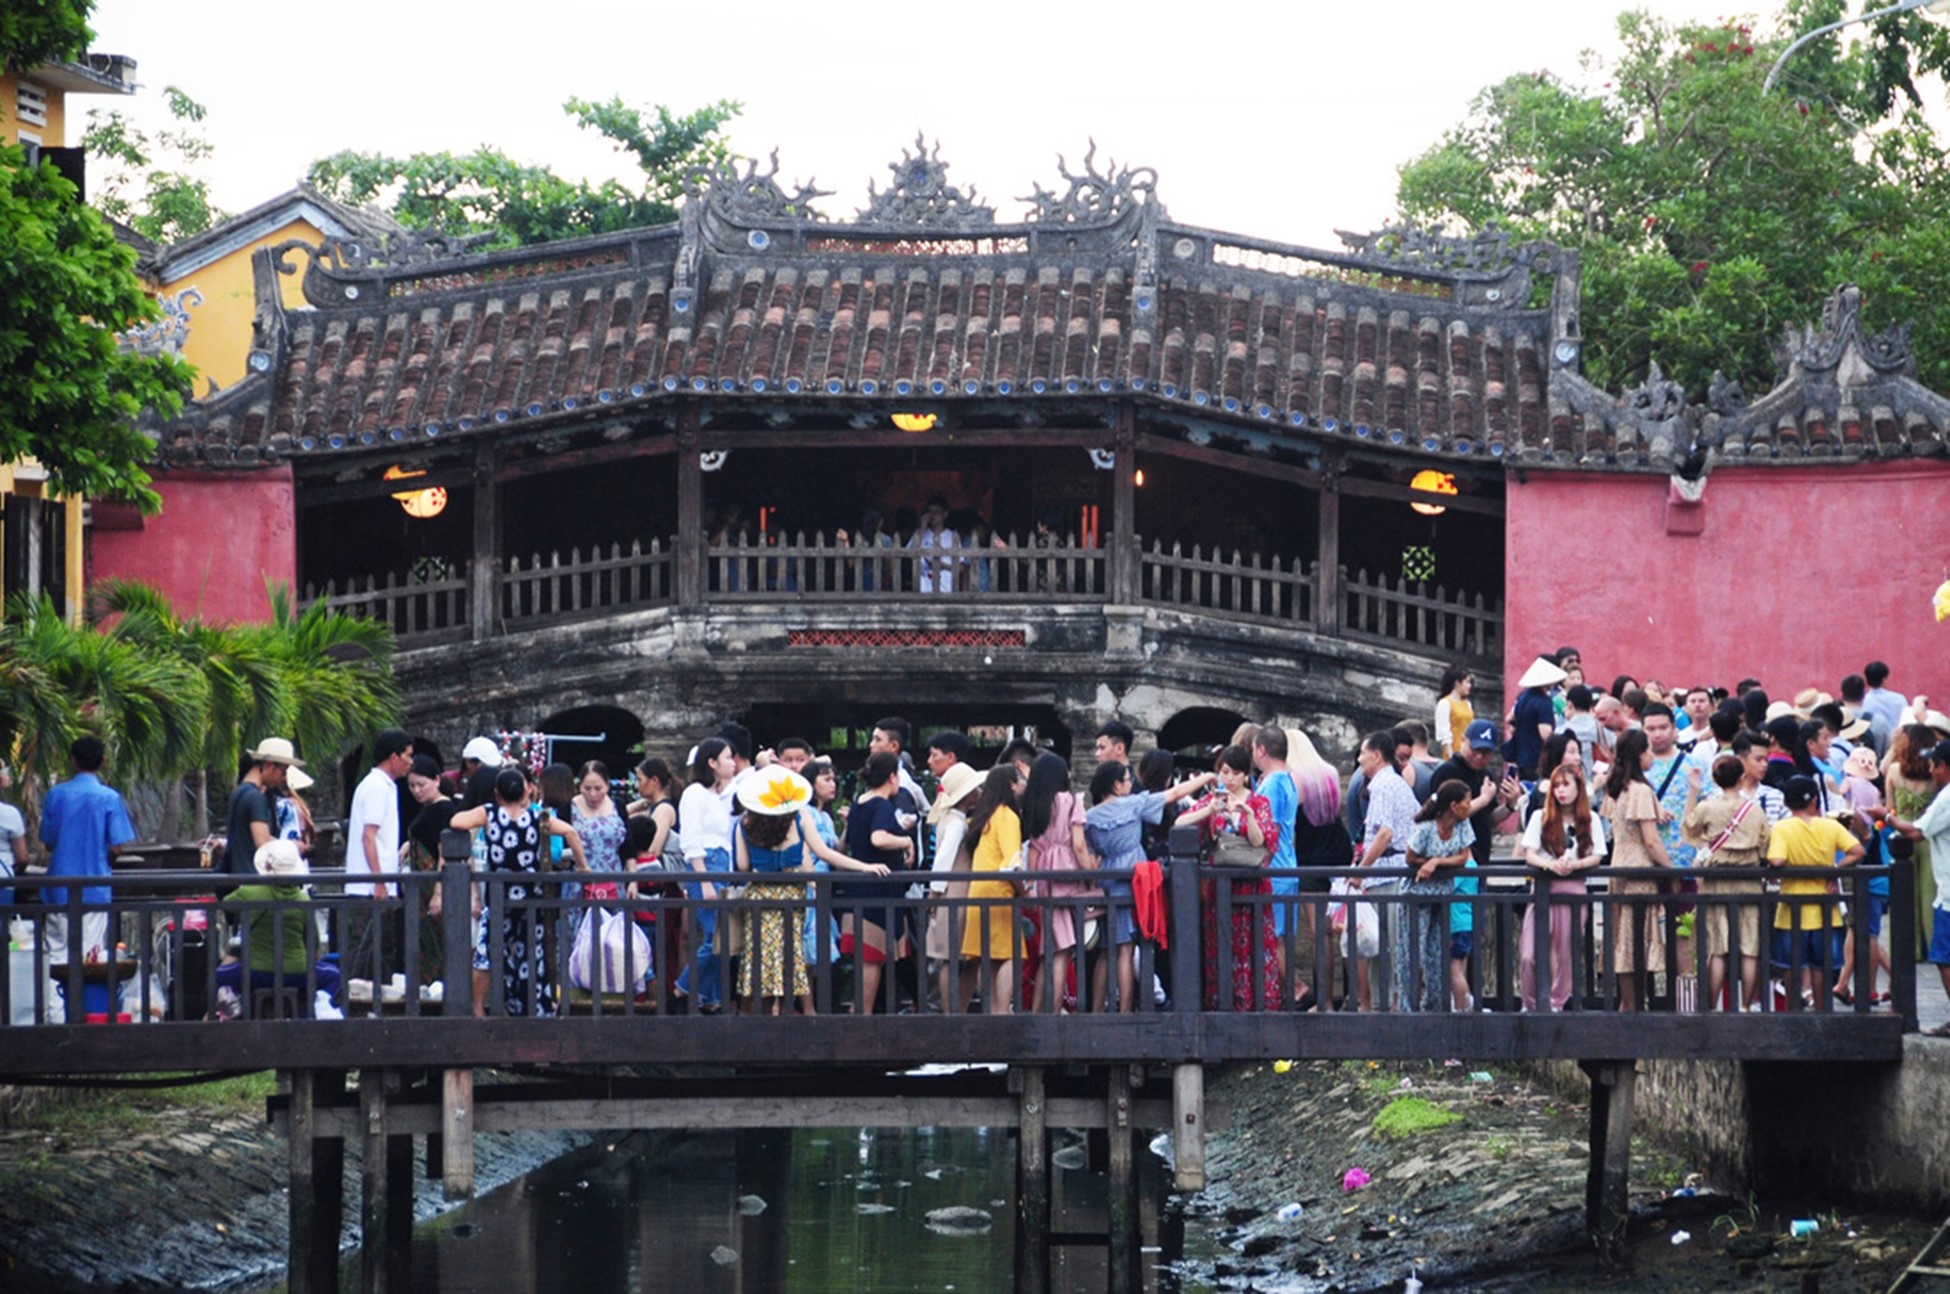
(457, 1133)
(386, 1203)
(316, 1208)
(1123, 1203)
(1032, 1182)
(1607, 1206)
(1188, 1126)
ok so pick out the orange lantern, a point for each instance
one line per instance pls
(915, 421)
(1431, 481)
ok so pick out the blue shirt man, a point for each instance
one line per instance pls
(83, 823)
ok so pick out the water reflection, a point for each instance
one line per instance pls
(849, 1211)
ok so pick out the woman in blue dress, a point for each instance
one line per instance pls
(514, 832)
(1114, 830)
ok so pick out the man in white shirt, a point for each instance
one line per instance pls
(1933, 825)
(371, 846)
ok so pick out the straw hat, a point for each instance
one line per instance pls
(299, 780)
(774, 792)
(1855, 724)
(957, 784)
(280, 858)
(1808, 698)
(276, 750)
(1542, 673)
(1779, 708)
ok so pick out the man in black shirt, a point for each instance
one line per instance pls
(253, 820)
(1470, 766)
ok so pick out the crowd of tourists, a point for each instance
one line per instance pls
(1020, 886)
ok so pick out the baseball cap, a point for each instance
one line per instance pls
(1481, 734)
(483, 750)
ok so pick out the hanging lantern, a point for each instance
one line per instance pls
(1431, 481)
(915, 421)
(419, 504)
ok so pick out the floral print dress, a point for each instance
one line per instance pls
(1255, 941)
(514, 844)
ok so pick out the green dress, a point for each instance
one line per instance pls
(1909, 805)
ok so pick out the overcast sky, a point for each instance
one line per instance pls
(1277, 120)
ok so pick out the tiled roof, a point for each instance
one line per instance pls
(1425, 344)
(1422, 345)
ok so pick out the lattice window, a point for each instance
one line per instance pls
(1418, 564)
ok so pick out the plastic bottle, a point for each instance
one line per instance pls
(1290, 1213)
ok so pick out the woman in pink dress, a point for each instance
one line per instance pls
(1052, 823)
(1564, 840)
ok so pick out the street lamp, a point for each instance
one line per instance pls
(1907, 6)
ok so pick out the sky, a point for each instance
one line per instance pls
(1284, 121)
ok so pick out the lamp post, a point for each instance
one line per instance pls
(1927, 6)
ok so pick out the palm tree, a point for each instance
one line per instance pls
(338, 670)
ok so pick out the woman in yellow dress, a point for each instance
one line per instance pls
(989, 931)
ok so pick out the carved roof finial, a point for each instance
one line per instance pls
(1820, 348)
(922, 197)
(748, 196)
(1093, 197)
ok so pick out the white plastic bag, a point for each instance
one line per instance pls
(1367, 920)
(597, 960)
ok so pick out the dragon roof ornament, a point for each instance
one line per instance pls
(1820, 348)
(750, 196)
(165, 334)
(1094, 197)
(1487, 252)
(921, 196)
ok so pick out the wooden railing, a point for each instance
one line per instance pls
(422, 611)
(1281, 592)
(1418, 615)
(812, 570)
(554, 589)
(1273, 590)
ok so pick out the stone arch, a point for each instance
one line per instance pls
(1197, 728)
(621, 733)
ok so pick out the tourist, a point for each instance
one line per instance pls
(1020, 752)
(989, 935)
(1624, 684)
(294, 820)
(1320, 840)
(949, 818)
(654, 782)
(1581, 721)
(1389, 820)
(1438, 846)
(374, 933)
(1533, 718)
(1243, 830)
(1156, 770)
(1860, 793)
(280, 941)
(514, 830)
(84, 824)
(1728, 829)
(1052, 820)
(1113, 742)
(1452, 711)
(936, 574)
(1855, 693)
(1561, 751)
(1564, 841)
(892, 735)
(1632, 811)
(1666, 773)
(420, 852)
(480, 761)
(825, 793)
(1113, 826)
(769, 845)
(251, 820)
(1696, 708)
(593, 814)
(645, 865)
(875, 834)
(13, 836)
(1492, 802)
(1930, 829)
(704, 837)
(793, 754)
(1880, 699)
(1809, 934)
(1282, 795)
(1908, 790)
(654, 804)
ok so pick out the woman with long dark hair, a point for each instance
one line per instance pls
(1439, 844)
(1632, 810)
(1113, 827)
(1563, 840)
(704, 818)
(1052, 822)
(1240, 828)
(988, 937)
(1453, 713)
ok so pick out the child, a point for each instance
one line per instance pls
(1808, 932)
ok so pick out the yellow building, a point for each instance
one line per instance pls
(41, 549)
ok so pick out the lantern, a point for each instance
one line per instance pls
(419, 504)
(915, 421)
(1432, 482)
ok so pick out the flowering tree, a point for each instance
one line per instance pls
(1710, 216)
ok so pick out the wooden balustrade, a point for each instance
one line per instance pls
(423, 611)
(818, 570)
(555, 589)
(1255, 588)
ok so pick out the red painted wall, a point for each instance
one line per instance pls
(218, 538)
(1797, 576)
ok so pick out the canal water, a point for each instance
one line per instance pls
(812, 1211)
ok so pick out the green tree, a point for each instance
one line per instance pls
(505, 203)
(149, 182)
(67, 288)
(1709, 216)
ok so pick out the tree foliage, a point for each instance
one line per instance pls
(149, 182)
(488, 195)
(1709, 216)
(43, 31)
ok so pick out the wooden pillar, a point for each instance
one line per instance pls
(1122, 1210)
(690, 509)
(1188, 1126)
(328, 1190)
(1608, 1181)
(485, 589)
(1032, 1184)
(386, 1201)
(399, 1200)
(457, 1133)
(1123, 511)
(1327, 564)
(316, 1180)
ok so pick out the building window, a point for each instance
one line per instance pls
(30, 104)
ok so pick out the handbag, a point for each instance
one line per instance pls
(605, 944)
(1365, 938)
(1232, 850)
